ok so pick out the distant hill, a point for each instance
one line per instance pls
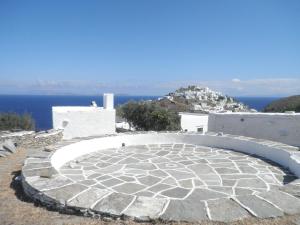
(162, 114)
(291, 103)
(193, 99)
(200, 99)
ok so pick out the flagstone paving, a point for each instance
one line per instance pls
(174, 182)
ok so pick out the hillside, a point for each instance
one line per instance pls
(200, 99)
(291, 103)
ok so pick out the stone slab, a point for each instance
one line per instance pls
(87, 198)
(37, 165)
(176, 192)
(205, 194)
(129, 188)
(145, 208)
(8, 145)
(226, 210)
(42, 172)
(259, 207)
(4, 153)
(189, 210)
(251, 183)
(63, 194)
(149, 180)
(50, 183)
(289, 204)
(200, 169)
(114, 204)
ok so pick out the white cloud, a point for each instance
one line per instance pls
(269, 87)
(236, 80)
(251, 87)
(234, 87)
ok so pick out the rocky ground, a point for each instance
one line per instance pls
(19, 209)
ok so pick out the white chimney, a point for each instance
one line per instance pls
(108, 101)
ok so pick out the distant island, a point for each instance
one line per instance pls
(291, 103)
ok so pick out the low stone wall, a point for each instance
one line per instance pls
(32, 139)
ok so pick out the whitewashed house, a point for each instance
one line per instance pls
(196, 122)
(85, 121)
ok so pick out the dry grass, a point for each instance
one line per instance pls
(17, 209)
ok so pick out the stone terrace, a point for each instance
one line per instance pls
(170, 181)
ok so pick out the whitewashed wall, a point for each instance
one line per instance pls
(193, 121)
(281, 127)
(83, 121)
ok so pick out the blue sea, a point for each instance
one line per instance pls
(40, 106)
(258, 103)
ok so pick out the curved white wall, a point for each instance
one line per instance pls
(271, 150)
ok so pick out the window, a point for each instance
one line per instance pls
(200, 129)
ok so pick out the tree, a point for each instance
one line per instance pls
(149, 116)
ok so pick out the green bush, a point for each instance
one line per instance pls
(14, 121)
(149, 116)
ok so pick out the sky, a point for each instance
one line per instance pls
(149, 47)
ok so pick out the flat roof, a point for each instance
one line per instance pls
(193, 114)
(258, 113)
(75, 108)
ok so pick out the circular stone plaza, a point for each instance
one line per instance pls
(167, 176)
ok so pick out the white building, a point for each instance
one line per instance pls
(123, 125)
(81, 121)
(193, 122)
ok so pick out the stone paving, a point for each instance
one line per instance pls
(174, 182)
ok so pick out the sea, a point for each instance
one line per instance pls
(39, 106)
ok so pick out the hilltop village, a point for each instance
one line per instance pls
(201, 99)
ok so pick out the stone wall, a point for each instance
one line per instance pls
(32, 139)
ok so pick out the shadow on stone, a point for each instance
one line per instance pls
(16, 185)
(288, 179)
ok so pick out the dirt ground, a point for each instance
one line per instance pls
(16, 208)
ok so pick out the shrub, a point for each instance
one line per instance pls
(14, 121)
(149, 116)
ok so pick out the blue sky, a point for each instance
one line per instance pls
(139, 47)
